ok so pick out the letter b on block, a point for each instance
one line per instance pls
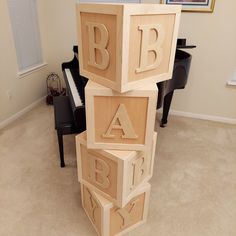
(116, 175)
(95, 46)
(99, 175)
(147, 48)
(125, 46)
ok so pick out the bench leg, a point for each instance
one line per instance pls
(61, 149)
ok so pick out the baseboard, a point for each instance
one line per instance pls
(21, 113)
(172, 112)
(203, 117)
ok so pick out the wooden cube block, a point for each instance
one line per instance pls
(116, 175)
(120, 121)
(125, 46)
(110, 220)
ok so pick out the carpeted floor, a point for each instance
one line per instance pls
(193, 187)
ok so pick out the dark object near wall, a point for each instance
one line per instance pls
(64, 122)
(69, 111)
(54, 88)
(75, 84)
(179, 79)
(181, 44)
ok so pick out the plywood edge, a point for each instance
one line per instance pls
(105, 203)
(141, 188)
(127, 6)
(82, 195)
(139, 84)
(131, 228)
(153, 153)
(146, 188)
(100, 193)
(149, 8)
(94, 226)
(81, 138)
(121, 154)
(117, 146)
(174, 42)
(78, 159)
(103, 8)
(101, 80)
(121, 181)
(105, 206)
(94, 86)
(80, 41)
(147, 202)
(120, 57)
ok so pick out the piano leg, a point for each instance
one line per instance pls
(61, 149)
(166, 108)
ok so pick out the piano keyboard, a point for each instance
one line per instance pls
(74, 91)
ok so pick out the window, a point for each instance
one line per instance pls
(24, 22)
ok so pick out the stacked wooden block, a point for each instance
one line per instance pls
(124, 49)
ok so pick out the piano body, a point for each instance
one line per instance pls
(75, 84)
(179, 79)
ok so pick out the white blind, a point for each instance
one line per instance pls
(24, 21)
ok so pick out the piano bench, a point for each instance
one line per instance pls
(64, 121)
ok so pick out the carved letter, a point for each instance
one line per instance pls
(93, 204)
(124, 124)
(126, 214)
(155, 47)
(138, 171)
(101, 46)
(99, 175)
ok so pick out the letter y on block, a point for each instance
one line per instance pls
(126, 214)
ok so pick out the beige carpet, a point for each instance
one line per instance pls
(193, 187)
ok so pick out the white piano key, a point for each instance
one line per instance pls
(73, 89)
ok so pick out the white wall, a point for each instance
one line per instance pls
(59, 16)
(213, 63)
(214, 59)
(25, 90)
(58, 35)
(59, 19)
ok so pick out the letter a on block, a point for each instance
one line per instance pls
(101, 46)
(99, 175)
(126, 214)
(155, 47)
(124, 124)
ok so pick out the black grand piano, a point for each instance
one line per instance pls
(179, 79)
(76, 83)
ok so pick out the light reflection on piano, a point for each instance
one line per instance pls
(75, 84)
